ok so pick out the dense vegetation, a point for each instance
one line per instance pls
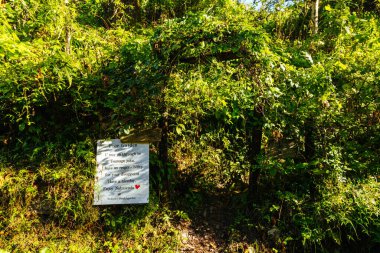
(274, 108)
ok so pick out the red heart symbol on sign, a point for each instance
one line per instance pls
(137, 186)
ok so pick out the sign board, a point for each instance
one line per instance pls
(122, 173)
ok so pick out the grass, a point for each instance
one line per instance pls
(49, 209)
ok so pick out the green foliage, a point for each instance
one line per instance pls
(75, 72)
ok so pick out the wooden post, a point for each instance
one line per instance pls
(255, 135)
(309, 128)
(164, 155)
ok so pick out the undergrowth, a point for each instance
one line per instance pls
(50, 209)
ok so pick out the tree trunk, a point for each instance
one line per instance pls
(315, 15)
(67, 30)
(68, 40)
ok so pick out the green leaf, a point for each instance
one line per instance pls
(21, 127)
(45, 250)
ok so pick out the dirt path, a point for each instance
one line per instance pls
(208, 229)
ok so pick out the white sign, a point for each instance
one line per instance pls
(122, 175)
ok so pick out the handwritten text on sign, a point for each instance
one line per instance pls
(122, 175)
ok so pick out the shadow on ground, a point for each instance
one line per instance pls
(217, 222)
